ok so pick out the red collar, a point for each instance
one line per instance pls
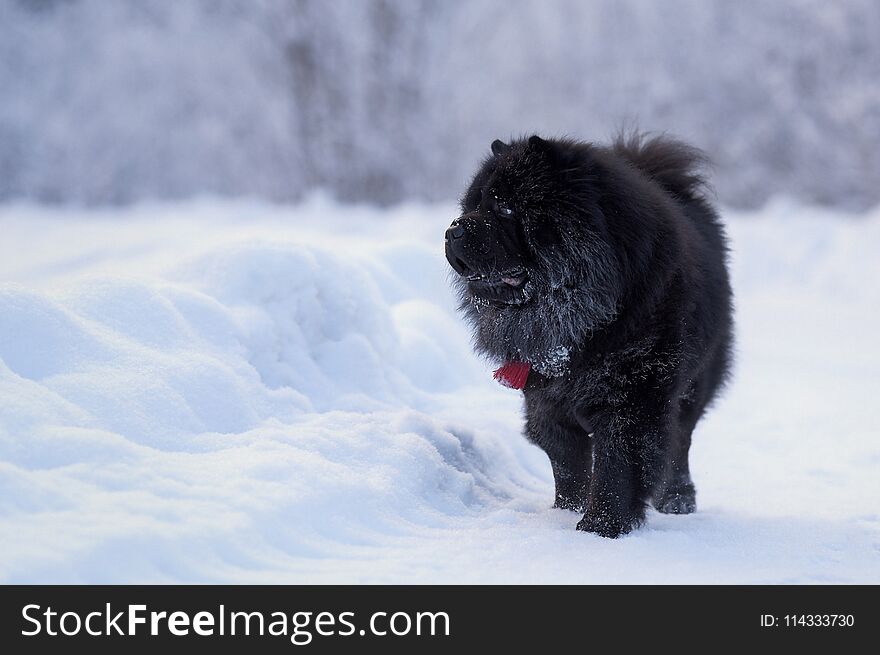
(513, 374)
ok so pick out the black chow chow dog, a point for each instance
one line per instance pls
(597, 277)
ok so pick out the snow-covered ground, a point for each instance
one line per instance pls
(241, 392)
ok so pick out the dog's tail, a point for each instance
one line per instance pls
(676, 166)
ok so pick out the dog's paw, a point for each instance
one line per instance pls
(680, 500)
(609, 525)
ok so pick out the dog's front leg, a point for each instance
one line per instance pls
(568, 448)
(613, 503)
(626, 454)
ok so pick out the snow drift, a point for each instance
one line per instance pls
(211, 392)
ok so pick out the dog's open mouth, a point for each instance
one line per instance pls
(511, 278)
(507, 288)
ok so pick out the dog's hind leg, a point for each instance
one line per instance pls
(675, 493)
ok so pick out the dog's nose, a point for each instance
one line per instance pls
(455, 248)
(455, 231)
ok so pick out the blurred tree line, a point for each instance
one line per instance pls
(385, 100)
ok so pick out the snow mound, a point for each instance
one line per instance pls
(213, 392)
(263, 393)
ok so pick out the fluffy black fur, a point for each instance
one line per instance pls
(604, 267)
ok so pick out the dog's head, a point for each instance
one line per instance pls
(532, 260)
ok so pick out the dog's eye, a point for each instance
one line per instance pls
(502, 208)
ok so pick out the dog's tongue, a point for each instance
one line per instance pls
(513, 374)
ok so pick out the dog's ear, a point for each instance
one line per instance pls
(499, 147)
(538, 144)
